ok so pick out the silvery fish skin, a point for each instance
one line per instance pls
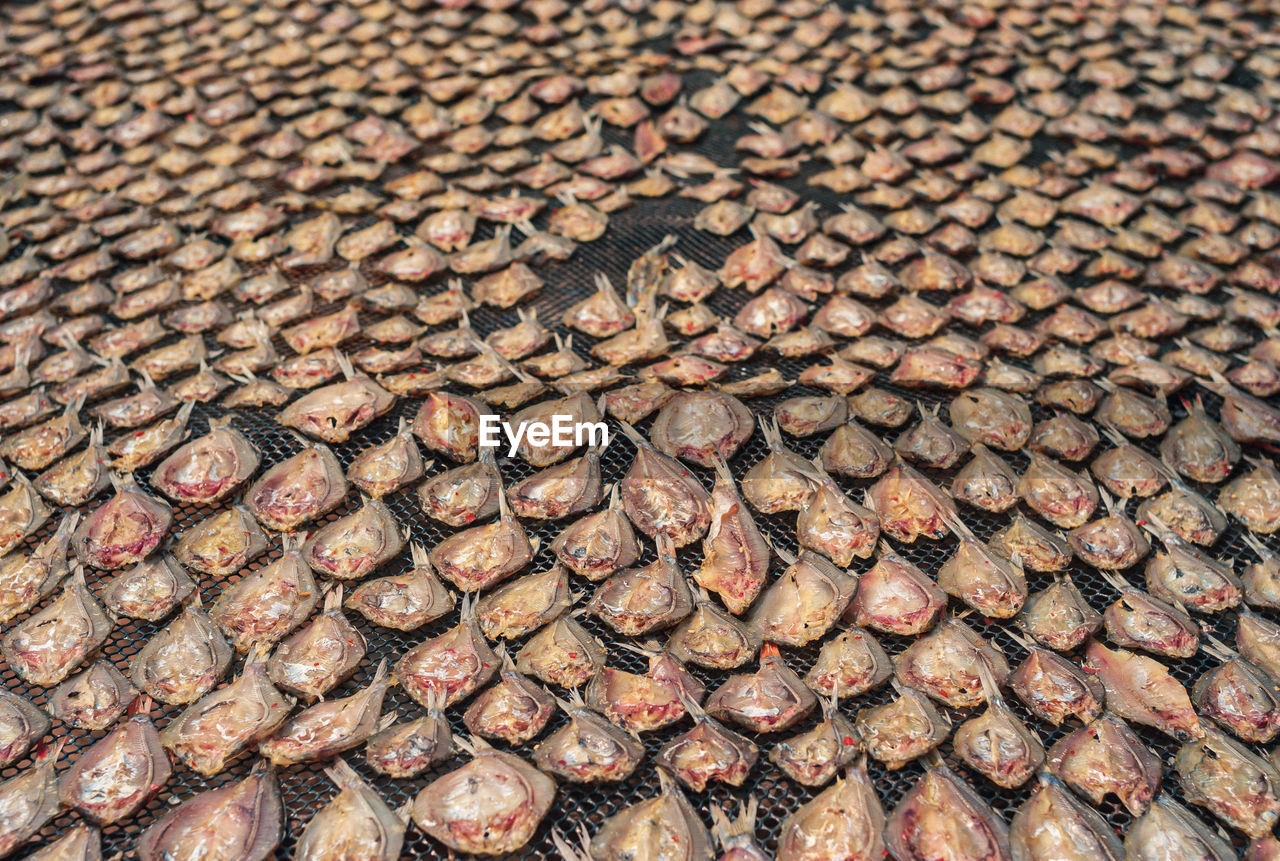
(1199, 449)
(93, 699)
(1230, 781)
(332, 413)
(559, 491)
(26, 579)
(701, 427)
(660, 496)
(386, 467)
(983, 578)
(945, 664)
(142, 448)
(1037, 548)
(986, 482)
(356, 823)
(47, 646)
(664, 826)
(222, 543)
(407, 749)
(599, 544)
(77, 478)
(941, 807)
(207, 469)
(600, 315)
(330, 727)
(454, 664)
(354, 546)
(298, 489)
(1110, 543)
(149, 590)
(37, 447)
(1054, 688)
(846, 820)
(21, 726)
(851, 663)
(576, 409)
(1062, 497)
(22, 512)
(403, 601)
(645, 702)
(1052, 824)
(772, 699)
(588, 748)
(712, 638)
(217, 728)
(779, 482)
(1059, 616)
(1250, 497)
(449, 424)
(853, 451)
(989, 416)
(931, 443)
(1142, 690)
(1168, 830)
(266, 604)
(834, 525)
(1238, 696)
(29, 800)
(1106, 757)
(1139, 621)
(464, 494)
(124, 530)
(813, 758)
(804, 603)
(514, 709)
(1182, 573)
(910, 506)
(490, 806)
(996, 743)
(477, 558)
(520, 606)
(896, 597)
(561, 653)
(315, 659)
(708, 752)
(242, 820)
(641, 600)
(1258, 641)
(184, 660)
(81, 843)
(119, 774)
(902, 729)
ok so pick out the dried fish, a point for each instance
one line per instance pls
(29, 800)
(244, 820)
(329, 727)
(298, 489)
(942, 809)
(491, 805)
(1053, 824)
(115, 777)
(407, 749)
(355, 822)
(772, 699)
(209, 468)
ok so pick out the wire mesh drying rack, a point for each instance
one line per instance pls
(631, 232)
